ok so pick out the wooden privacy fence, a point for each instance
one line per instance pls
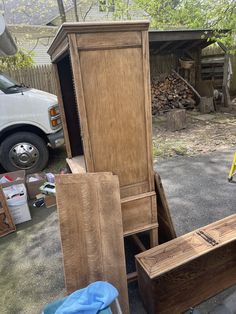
(41, 77)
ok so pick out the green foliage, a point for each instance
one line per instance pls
(192, 14)
(122, 9)
(20, 60)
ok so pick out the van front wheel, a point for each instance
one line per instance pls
(24, 150)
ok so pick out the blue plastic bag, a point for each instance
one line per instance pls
(95, 297)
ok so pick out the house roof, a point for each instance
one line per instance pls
(33, 31)
(169, 41)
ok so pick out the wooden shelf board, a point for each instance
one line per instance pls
(76, 164)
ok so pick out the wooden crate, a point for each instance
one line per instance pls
(107, 121)
(188, 270)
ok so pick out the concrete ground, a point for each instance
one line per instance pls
(31, 262)
(198, 193)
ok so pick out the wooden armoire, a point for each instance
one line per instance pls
(104, 97)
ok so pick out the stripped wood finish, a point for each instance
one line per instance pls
(6, 223)
(166, 230)
(76, 164)
(91, 231)
(110, 69)
(190, 269)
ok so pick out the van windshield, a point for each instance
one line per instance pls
(8, 85)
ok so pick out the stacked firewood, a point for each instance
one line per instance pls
(170, 92)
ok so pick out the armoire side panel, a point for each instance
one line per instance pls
(114, 95)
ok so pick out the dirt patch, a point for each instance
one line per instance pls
(204, 134)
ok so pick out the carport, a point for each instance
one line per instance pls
(169, 46)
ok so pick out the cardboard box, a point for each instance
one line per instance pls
(18, 206)
(50, 200)
(33, 187)
(18, 177)
(20, 213)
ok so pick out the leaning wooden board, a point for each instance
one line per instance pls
(91, 231)
(166, 230)
(190, 269)
(6, 222)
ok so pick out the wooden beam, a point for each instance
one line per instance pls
(194, 44)
(138, 242)
(226, 70)
(155, 36)
(189, 85)
(179, 44)
(226, 98)
(131, 277)
(163, 46)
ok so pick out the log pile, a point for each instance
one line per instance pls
(170, 92)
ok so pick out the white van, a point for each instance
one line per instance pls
(29, 122)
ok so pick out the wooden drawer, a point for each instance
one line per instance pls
(188, 270)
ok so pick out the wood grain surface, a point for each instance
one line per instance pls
(6, 223)
(111, 77)
(107, 40)
(91, 231)
(188, 270)
(166, 231)
(76, 164)
(115, 111)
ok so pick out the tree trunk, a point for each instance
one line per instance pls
(206, 105)
(176, 119)
(61, 10)
(76, 10)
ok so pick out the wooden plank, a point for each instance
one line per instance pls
(139, 213)
(147, 106)
(110, 99)
(6, 223)
(80, 99)
(227, 98)
(131, 277)
(153, 233)
(188, 270)
(91, 231)
(166, 231)
(138, 242)
(226, 70)
(76, 164)
(147, 227)
(189, 85)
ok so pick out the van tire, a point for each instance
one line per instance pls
(24, 151)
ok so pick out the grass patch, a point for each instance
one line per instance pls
(168, 148)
